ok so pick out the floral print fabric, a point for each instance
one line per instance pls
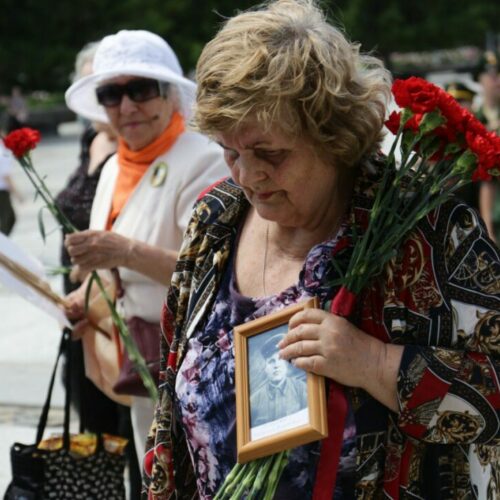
(205, 395)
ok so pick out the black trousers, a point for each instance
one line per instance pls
(7, 214)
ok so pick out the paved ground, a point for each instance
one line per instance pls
(28, 337)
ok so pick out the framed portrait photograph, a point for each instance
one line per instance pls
(278, 406)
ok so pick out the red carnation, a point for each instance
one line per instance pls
(416, 94)
(474, 126)
(486, 147)
(22, 141)
(414, 122)
(392, 123)
(481, 174)
(394, 120)
(455, 115)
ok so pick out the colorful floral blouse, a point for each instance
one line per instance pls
(205, 398)
(439, 297)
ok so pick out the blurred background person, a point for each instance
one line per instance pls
(97, 412)
(489, 109)
(463, 94)
(488, 112)
(7, 190)
(17, 109)
(146, 191)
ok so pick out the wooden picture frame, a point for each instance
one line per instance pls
(260, 427)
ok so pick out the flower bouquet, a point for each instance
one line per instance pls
(443, 148)
(21, 142)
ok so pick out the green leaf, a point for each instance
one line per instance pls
(41, 225)
(88, 290)
(58, 271)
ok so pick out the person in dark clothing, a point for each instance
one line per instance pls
(7, 214)
(17, 110)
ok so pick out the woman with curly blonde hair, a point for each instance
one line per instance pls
(298, 111)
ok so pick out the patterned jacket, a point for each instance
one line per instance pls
(440, 298)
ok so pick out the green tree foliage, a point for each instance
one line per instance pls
(40, 38)
(398, 25)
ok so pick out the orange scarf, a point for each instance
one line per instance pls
(132, 165)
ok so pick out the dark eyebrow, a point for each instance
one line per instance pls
(254, 145)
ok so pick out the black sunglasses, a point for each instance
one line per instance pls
(137, 90)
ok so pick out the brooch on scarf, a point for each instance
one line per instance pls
(159, 174)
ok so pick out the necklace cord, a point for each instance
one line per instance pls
(265, 262)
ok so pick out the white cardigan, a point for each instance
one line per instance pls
(158, 212)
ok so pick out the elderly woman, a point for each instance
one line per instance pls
(146, 191)
(299, 112)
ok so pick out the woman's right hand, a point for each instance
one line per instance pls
(329, 345)
(75, 311)
(75, 304)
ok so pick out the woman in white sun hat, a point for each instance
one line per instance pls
(146, 190)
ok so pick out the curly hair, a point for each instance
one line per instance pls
(285, 64)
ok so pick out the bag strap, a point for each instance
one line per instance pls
(65, 338)
(67, 398)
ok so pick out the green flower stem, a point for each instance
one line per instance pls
(384, 201)
(275, 474)
(264, 466)
(232, 480)
(247, 480)
(233, 474)
(128, 342)
(394, 214)
(41, 188)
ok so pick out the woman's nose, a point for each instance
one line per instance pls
(250, 172)
(127, 105)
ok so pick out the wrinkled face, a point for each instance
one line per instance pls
(283, 179)
(275, 369)
(138, 123)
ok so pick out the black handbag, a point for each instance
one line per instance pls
(41, 474)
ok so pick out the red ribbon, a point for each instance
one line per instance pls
(326, 474)
(343, 303)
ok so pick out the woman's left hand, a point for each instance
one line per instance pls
(328, 345)
(91, 250)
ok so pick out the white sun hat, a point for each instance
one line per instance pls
(130, 53)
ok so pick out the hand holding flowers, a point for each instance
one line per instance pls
(21, 142)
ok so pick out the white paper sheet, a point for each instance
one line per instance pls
(21, 257)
